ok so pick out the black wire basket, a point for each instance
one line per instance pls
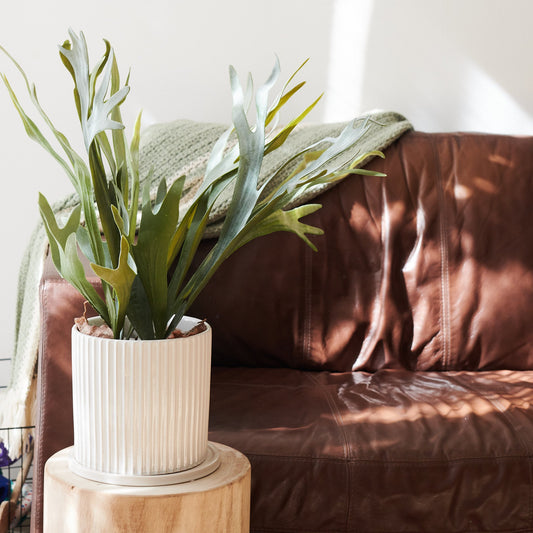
(16, 480)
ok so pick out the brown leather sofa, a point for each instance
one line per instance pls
(384, 383)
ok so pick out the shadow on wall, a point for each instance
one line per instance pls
(450, 65)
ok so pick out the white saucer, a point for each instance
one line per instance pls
(208, 466)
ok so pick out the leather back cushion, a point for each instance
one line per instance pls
(430, 268)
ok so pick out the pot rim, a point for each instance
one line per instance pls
(97, 320)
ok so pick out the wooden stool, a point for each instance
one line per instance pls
(216, 503)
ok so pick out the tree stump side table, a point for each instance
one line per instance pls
(217, 503)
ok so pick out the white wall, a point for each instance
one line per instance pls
(445, 64)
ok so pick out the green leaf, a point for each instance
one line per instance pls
(320, 164)
(101, 108)
(35, 134)
(94, 108)
(72, 270)
(151, 250)
(251, 150)
(75, 57)
(190, 232)
(282, 136)
(78, 166)
(120, 222)
(186, 240)
(64, 251)
(91, 221)
(103, 144)
(57, 236)
(121, 280)
(284, 97)
(245, 194)
(139, 312)
(131, 196)
(135, 141)
(63, 52)
(84, 242)
(216, 158)
(282, 221)
(104, 203)
(119, 142)
(136, 278)
(97, 70)
(334, 176)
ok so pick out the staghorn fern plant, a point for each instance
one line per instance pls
(145, 265)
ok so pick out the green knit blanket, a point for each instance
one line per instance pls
(169, 151)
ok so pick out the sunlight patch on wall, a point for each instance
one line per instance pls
(347, 61)
(487, 106)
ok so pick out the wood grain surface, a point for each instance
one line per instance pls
(218, 503)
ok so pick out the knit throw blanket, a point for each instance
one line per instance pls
(169, 151)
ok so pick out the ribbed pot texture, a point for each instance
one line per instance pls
(141, 407)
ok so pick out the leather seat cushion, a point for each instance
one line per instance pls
(393, 451)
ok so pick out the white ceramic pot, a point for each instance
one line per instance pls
(141, 408)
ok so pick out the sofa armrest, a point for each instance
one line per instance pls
(60, 304)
